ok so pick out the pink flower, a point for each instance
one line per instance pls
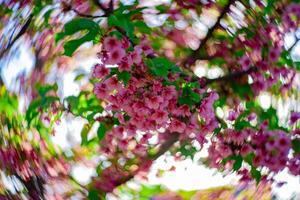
(125, 64)
(111, 43)
(160, 116)
(140, 150)
(119, 132)
(183, 110)
(81, 6)
(294, 165)
(169, 92)
(153, 102)
(257, 160)
(120, 117)
(101, 90)
(146, 47)
(295, 116)
(262, 65)
(264, 125)
(100, 71)
(131, 130)
(246, 149)
(177, 126)
(112, 83)
(190, 129)
(251, 116)
(136, 56)
(274, 54)
(125, 43)
(123, 144)
(232, 115)
(115, 56)
(245, 62)
(139, 108)
(224, 150)
(283, 142)
(157, 87)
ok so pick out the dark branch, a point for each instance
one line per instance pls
(295, 43)
(101, 6)
(87, 15)
(173, 137)
(231, 77)
(20, 33)
(196, 54)
(170, 141)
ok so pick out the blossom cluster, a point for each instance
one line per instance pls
(27, 162)
(261, 59)
(145, 106)
(270, 149)
(291, 17)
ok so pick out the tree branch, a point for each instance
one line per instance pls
(20, 33)
(170, 141)
(101, 6)
(295, 43)
(87, 15)
(239, 74)
(196, 54)
(232, 76)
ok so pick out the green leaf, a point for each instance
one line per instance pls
(225, 160)
(238, 163)
(124, 22)
(101, 131)
(162, 8)
(32, 110)
(71, 46)
(241, 124)
(73, 102)
(271, 116)
(79, 77)
(124, 76)
(255, 174)
(93, 195)
(160, 66)
(296, 145)
(44, 89)
(142, 27)
(243, 90)
(297, 65)
(249, 158)
(84, 134)
(187, 150)
(74, 26)
(195, 97)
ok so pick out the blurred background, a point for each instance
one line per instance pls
(36, 57)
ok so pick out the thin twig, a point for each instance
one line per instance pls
(20, 33)
(196, 54)
(77, 183)
(295, 43)
(101, 6)
(232, 76)
(87, 15)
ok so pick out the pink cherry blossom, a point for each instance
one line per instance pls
(177, 126)
(112, 43)
(115, 56)
(245, 62)
(160, 116)
(100, 71)
(295, 116)
(153, 102)
(101, 90)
